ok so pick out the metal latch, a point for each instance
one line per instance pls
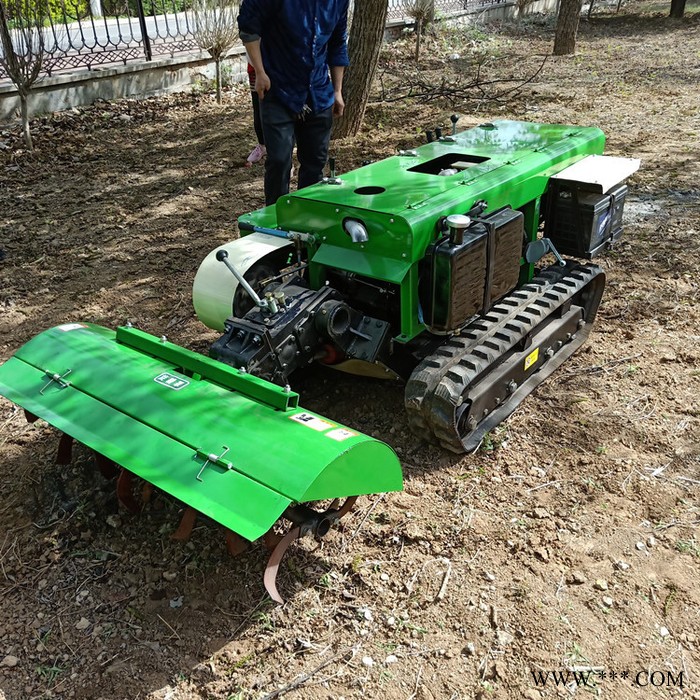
(211, 458)
(55, 377)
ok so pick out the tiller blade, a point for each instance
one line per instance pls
(229, 445)
(306, 522)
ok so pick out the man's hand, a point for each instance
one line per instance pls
(339, 104)
(262, 84)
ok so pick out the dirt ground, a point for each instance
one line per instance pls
(569, 542)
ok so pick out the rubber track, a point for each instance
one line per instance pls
(440, 381)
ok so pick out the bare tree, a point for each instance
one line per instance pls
(567, 27)
(364, 44)
(461, 89)
(216, 31)
(423, 11)
(23, 51)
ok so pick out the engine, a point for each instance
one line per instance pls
(297, 325)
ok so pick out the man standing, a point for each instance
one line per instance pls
(298, 49)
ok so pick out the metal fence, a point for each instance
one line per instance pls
(81, 35)
(400, 9)
(88, 34)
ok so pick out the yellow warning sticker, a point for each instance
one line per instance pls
(531, 358)
(311, 421)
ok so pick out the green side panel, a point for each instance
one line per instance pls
(161, 420)
(362, 263)
(230, 498)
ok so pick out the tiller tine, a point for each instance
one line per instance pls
(125, 491)
(235, 544)
(184, 530)
(107, 467)
(271, 539)
(273, 564)
(147, 492)
(64, 453)
(306, 522)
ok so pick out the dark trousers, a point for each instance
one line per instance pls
(281, 128)
(257, 124)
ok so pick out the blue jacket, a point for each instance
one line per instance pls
(299, 41)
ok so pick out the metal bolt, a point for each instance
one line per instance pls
(512, 386)
(581, 323)
(549, 352)
(163, 339)
(287, 389)
(391, 221)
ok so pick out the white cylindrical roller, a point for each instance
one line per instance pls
(214, 286)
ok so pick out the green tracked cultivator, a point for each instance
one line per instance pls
(424, 267)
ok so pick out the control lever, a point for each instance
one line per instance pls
(331, 179)
(538, 249)
(454, 119)
(264, 304)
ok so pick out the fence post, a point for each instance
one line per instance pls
(144, 33)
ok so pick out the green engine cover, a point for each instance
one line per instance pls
(400, 200)
(232, 446)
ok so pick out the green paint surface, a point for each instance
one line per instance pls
(161, 411)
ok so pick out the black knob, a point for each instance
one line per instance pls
(454, 118)
(438, 132)
(221, 255)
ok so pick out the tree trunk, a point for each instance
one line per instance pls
(366, 35)
(677, 8)
(24, 110)
(218, 80)
(567, 27)
(419, 32)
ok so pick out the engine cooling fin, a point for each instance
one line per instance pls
(478, 378)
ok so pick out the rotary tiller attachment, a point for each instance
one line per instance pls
(228, 445)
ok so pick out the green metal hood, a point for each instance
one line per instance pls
(169, 415)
